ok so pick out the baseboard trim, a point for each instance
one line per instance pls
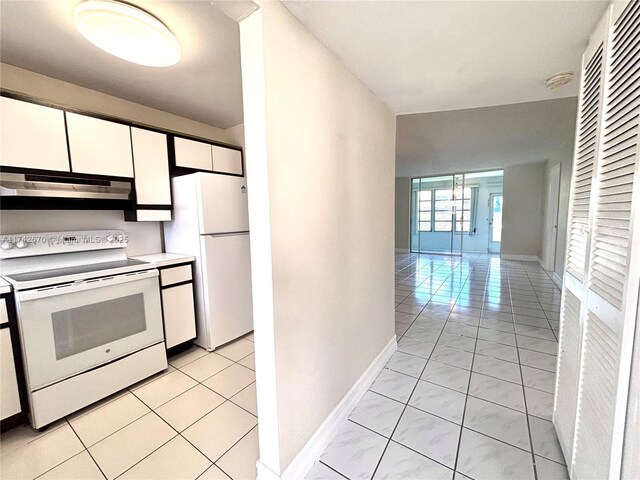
(521, 258)
(312, 450)
(557, 280)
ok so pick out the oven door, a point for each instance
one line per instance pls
(72, 328)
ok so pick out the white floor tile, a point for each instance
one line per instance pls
(240, 461)
(548, 470)
(394, 385)
(175, 459)
(164, 388)
(482, 457)
(431, 436)
(408, 364)
(497, 391)
(214, 473)
(447, 376)
(206, 366)
(320, 471)
(354, 451)
(41, 454)
(220, 429)
(188, 407)
(247, 399)
(120, 451)
(399, 462)
(80, 467)
(249, 361)
(103, 421)
(440, 401)
(377, 413)
(236, 350)
(188, 356)
(545, 440)
(231, 380)
(498, 422)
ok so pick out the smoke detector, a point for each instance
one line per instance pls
(558, 80)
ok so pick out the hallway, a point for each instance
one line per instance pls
(470, 389)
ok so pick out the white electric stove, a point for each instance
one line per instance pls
(90, 319)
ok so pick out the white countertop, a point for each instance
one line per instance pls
(5, 287)
(165, 259)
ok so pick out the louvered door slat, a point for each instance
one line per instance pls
(585, 157)
(597, 400)
(566, 398)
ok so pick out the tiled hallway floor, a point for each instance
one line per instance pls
(469, 393)
(197, 419)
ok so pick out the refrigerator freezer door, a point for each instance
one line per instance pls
(223, 204)
(227, 283)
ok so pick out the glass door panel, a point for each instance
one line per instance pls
(459, 214)
(495, 223)
(432, 214)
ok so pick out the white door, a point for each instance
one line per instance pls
(227, 284)
(223, 206)
(575, 278)
(614, 259)
(551, 226)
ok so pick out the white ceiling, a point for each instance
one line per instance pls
(484, 138)
(427, 56)
(205, 85)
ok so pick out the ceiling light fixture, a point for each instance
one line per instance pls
(127, 32)
(558, 80)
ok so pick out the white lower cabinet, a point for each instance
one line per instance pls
(178, 305)
(10, 397)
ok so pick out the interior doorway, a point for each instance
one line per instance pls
(451, 214)
(495, 222)
(550, 238)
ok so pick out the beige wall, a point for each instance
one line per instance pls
(144, 237)
(523, 209)
(403, 212)
(320, 149)
(563, 206)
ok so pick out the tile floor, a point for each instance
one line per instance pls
(469, 392)
(197, 419)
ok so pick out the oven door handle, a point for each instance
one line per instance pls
(74, 287)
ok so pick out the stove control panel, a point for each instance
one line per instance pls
(47, 243)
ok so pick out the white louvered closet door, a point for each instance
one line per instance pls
(613, 273)
(580, 219)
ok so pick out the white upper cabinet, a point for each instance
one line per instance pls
(151, 165)
(193, 154)
(226, 160)
(99, 147)
(32, 136)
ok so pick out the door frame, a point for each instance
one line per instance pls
(551, 227)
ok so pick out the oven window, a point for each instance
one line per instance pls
(82, 328)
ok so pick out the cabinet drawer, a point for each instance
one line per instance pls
(32, 136)
(99, 147)
(10, 398)
(179, 314)
(171, 276)
(192, 154)
(226, 160)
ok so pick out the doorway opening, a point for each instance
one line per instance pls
(457, 213)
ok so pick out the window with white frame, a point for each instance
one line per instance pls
(435, 210)
(424, 210)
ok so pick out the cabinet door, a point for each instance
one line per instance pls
(32, 136)
(192, 154)
(179, 314)
(226, 160)
(10, 399)
(99, 147)
(151, 165)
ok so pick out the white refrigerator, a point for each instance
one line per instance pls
(211, 222)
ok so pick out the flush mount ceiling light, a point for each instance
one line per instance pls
(127, 32)
(558, 80)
